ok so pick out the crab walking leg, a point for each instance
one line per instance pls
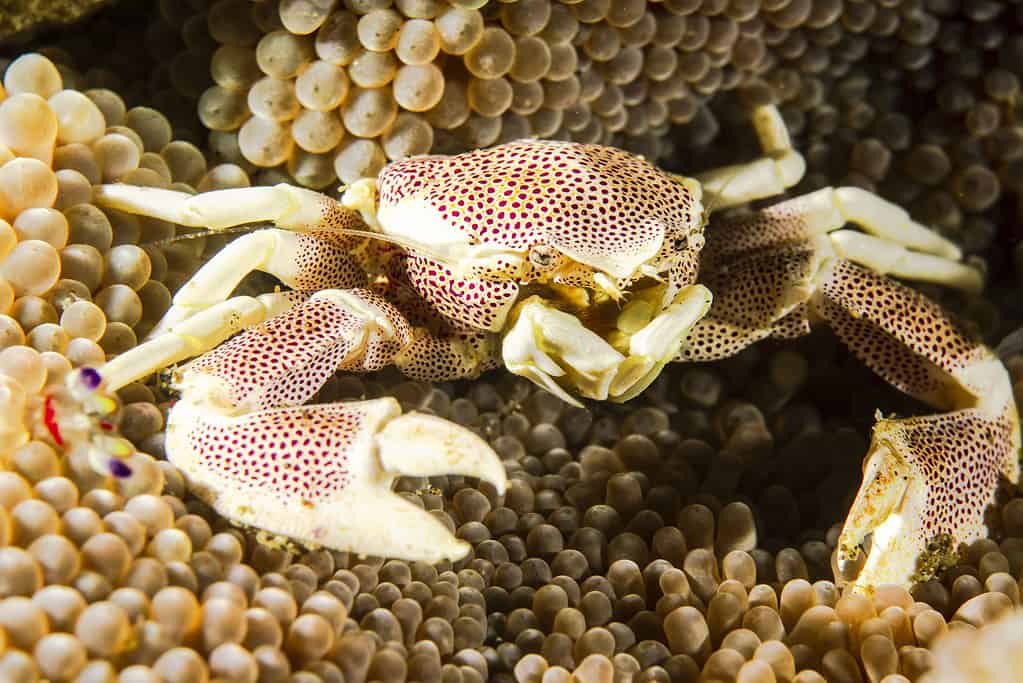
(322, 474)
(286, 206)
(302, 261)
(195, 336)
(825, 211)
(780, 168)
(887, 258)
(927, 480)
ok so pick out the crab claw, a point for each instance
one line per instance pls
(322, 474)
(554, 350)
(927, 483)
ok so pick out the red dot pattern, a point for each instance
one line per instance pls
(334, 216)
(778, 225)
(585, 200)
(456, 355)
(958, 456)
(296, 453)
(286, 360)
(479, 304)
(897, 332)
(324, 262)
(749, 298)
(910, 342)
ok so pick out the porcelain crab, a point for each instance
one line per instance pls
(581, 267)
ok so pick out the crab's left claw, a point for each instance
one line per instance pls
(927, 483)
(322, 474)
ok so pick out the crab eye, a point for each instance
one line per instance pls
(541, 256)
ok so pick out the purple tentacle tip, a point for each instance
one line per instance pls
(119, 469)
(90, 378)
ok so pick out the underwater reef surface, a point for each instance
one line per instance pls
(685, 536)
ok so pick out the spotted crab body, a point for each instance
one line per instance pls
(583, 268)
(578, 217)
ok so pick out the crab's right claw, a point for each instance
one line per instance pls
(322, 474)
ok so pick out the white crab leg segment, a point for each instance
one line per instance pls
(888, 258)
(780, 168)
(889, 221)
(323, 473)
(198, 334)
(830, 208)
(895, 243)
(287, 206)
(302, 261)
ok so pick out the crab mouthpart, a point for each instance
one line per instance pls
(556, 351)
(602, 351)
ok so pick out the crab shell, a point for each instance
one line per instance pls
(531, 211)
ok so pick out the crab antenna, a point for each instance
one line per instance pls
(235, 230)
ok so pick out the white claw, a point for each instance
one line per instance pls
(364, 515)
(422, 445)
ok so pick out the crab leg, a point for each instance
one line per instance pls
(927, 480)
(286, 206)
(194, 336)
(302, 261)
(894, 244)
(293, 342)
(780, 168)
